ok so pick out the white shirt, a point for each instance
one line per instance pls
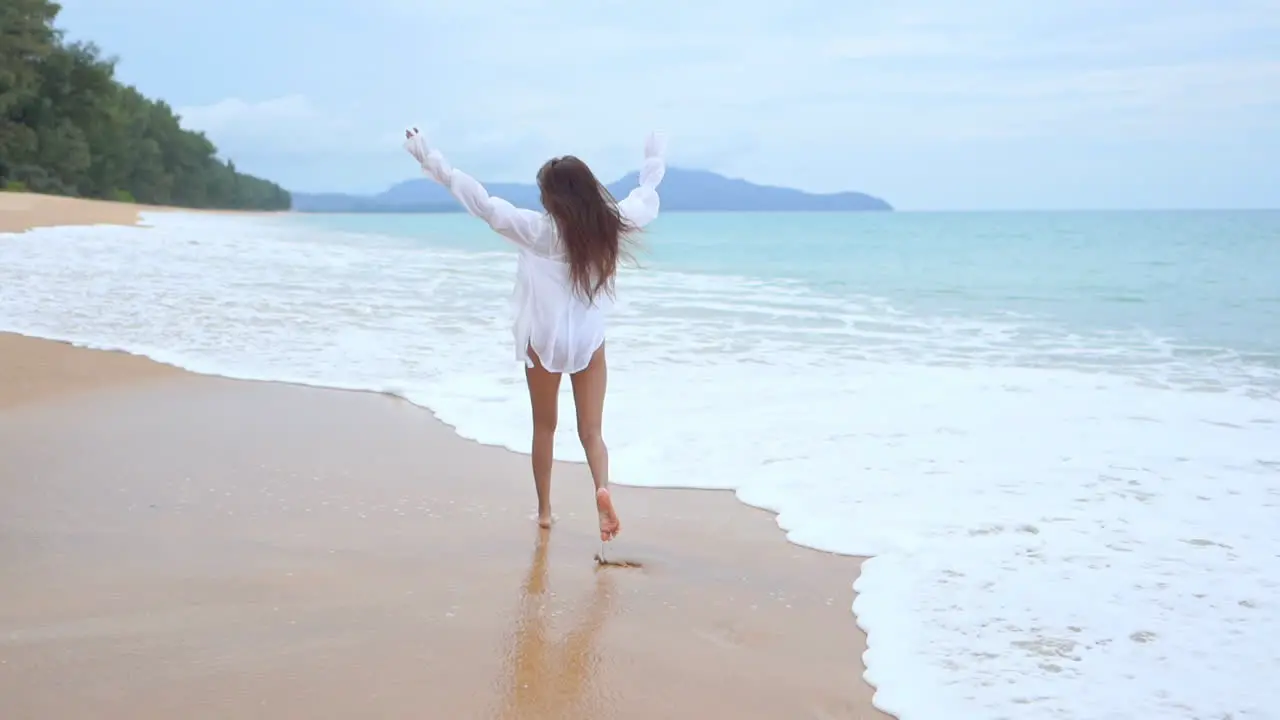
(559, 325)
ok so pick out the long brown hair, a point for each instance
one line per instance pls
(595, 235)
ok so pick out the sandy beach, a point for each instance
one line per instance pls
(177, 545)
(24, 211)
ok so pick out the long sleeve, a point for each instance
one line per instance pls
(640, 206)
(518, 225)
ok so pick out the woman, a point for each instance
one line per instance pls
(564, 287)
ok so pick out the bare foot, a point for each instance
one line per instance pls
(545, 520)
(609, 525)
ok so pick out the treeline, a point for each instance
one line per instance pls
(68, 127)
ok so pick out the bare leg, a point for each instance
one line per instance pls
(544, 392)
(588, 398)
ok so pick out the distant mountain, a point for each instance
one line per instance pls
(682, 190)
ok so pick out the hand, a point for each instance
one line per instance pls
(655, 145)
(416, 146)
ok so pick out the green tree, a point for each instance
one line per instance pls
(27, 38)
(68, 127)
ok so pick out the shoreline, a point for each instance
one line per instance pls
(346, 492)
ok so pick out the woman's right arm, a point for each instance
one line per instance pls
(640, 206)
(521, 226)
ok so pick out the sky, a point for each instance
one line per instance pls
(930, 104)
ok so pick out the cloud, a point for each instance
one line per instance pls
(268, 118)
(286, 125)
(810, 93)
(294, 141)
(932, 72)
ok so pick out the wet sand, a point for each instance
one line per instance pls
(175, 545)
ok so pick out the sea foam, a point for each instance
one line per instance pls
(1061, 526)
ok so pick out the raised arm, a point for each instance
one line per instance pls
(640, 206)
(516, 224)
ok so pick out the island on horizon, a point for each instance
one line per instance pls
(682, 190)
